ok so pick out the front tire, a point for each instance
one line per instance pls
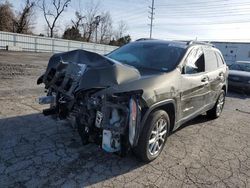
(216, 111)
(153, 136)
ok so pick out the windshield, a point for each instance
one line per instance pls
(240, 67)
(157, 56)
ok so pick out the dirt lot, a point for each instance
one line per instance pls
(36, 151)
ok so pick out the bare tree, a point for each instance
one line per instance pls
(52, 10)
(92, 21)
(73, 32)
(23, 23)
(94, 24)
(105, 28)
(7, 17)
(121, 30)
(78, 22)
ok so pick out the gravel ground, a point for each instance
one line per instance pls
(37, 151)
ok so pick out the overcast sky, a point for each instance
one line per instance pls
(189, 19)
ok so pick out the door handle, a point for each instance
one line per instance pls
(205, 79)
(221, 74)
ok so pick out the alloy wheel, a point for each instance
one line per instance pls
(220, 104)
(157, 137)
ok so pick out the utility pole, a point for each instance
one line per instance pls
(97, 22)
(151, 17)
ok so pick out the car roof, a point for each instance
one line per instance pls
(183, 44)
(157, 41)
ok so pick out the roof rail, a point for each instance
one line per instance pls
(199, 42)
(144, 39)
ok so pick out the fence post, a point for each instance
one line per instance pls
(35, 44)
(105, 49)
(14, 39)
(53, 45)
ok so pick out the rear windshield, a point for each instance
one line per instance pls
(157, 56)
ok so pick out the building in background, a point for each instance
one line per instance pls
(234, 51)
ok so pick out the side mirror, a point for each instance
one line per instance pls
(183, 70)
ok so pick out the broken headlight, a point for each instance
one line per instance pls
(133, 119)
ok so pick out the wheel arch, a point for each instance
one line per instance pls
(224, 87)
(168, 105)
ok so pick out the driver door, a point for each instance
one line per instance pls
(194, 83)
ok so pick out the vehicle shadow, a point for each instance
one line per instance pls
(199, 119)
(38, 151)
(47, 153)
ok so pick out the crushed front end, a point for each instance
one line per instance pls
(73, 81)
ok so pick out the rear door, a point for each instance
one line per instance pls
(194, 83)
(215, 72)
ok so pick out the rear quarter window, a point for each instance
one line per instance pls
(220, 61)
(210, 60)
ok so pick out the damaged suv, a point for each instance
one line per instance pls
(132, 98)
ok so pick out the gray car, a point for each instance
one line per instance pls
(239, 76)
(132, 98)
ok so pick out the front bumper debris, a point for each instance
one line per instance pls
(73, 81)
(47, 100)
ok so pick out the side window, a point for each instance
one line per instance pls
(219, 59)
(195, 62)
(210, 60)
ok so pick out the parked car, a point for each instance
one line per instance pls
(132, 98)
(239, 76)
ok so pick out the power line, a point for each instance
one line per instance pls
(132, 18)
(177, 7)
(151, 17)
(183, 3)
(226, 27)
(232, 9)
(135, 13)
(135, 10)
(130, 14)
(209, 23)
(207, 15)
(139, 15)
(137, 18)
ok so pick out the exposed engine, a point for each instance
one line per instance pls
(110, 120)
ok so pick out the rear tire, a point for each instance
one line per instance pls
(153, 136)
(216, 111)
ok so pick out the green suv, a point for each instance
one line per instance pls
(133, 97)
